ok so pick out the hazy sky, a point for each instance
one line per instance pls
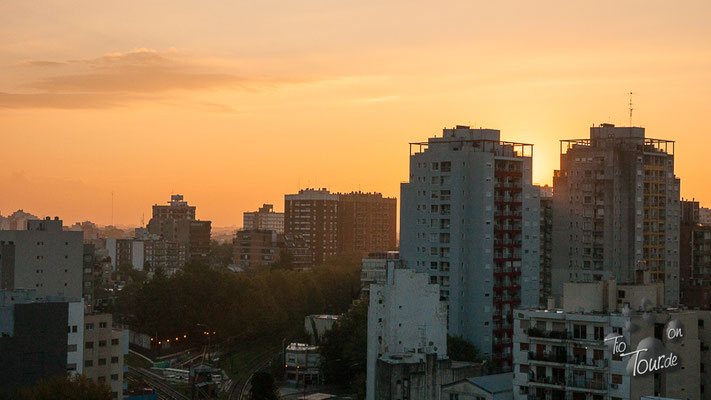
(234, 103)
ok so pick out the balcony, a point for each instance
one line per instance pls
(558, 335)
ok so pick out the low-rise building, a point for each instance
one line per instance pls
(317, 325)
(486, 387)
(302, 364)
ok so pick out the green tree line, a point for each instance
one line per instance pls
(247, 306)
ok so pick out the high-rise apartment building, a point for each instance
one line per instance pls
(616, 209)
(264, 219)
(470, 219)
(44, 258)
(694, 258)
(366, 223)
(313, 213)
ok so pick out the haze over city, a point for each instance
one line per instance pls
(234, 104)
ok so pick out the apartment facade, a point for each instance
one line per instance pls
(44, 258)
(264, 219)
(546, 242)
(470, 220)
(366, 223)
(403, 329)
(616, 209)
(255, 249)
(40, 338)
(694, 258)
(313, 214)
(104, 351)
(585, 350)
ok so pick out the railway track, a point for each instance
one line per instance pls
(163, 389)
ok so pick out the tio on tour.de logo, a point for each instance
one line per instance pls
(650, 356)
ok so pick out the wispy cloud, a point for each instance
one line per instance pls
(118, 79)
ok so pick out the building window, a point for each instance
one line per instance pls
(102, 343)
(102, 379)
(71, 367)
(89, 345)
(580, 331)
(114, 342)
(89, 327)
(102, 325)
(114, 377)
(88, 363)
(71, 348)
(617, 379)
(102, 361)
(114, 360)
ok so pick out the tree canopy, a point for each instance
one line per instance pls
(244, 305)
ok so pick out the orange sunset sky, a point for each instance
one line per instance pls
(234, 103)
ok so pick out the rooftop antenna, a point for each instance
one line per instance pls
(631, 108)
(112, 208)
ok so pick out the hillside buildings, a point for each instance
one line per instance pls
(616, 209)
(43, 257)
(470, 220)
(264, 219)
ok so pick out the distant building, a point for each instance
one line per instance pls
(374, 268)
(302, 364)
(569, 353)
(44, 258)
(264, 219)
(316, 325)
(616, 209)
(182, 237)
(487, 387)
(470, 220)
(367, 223)
(16, 221)
(104, 352)
(255, 249)
(545, 238)
(694, 258)
(314, 215)
(40, 338)
(407, 324)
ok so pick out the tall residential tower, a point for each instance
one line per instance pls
(616, 210)
(470, 217)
